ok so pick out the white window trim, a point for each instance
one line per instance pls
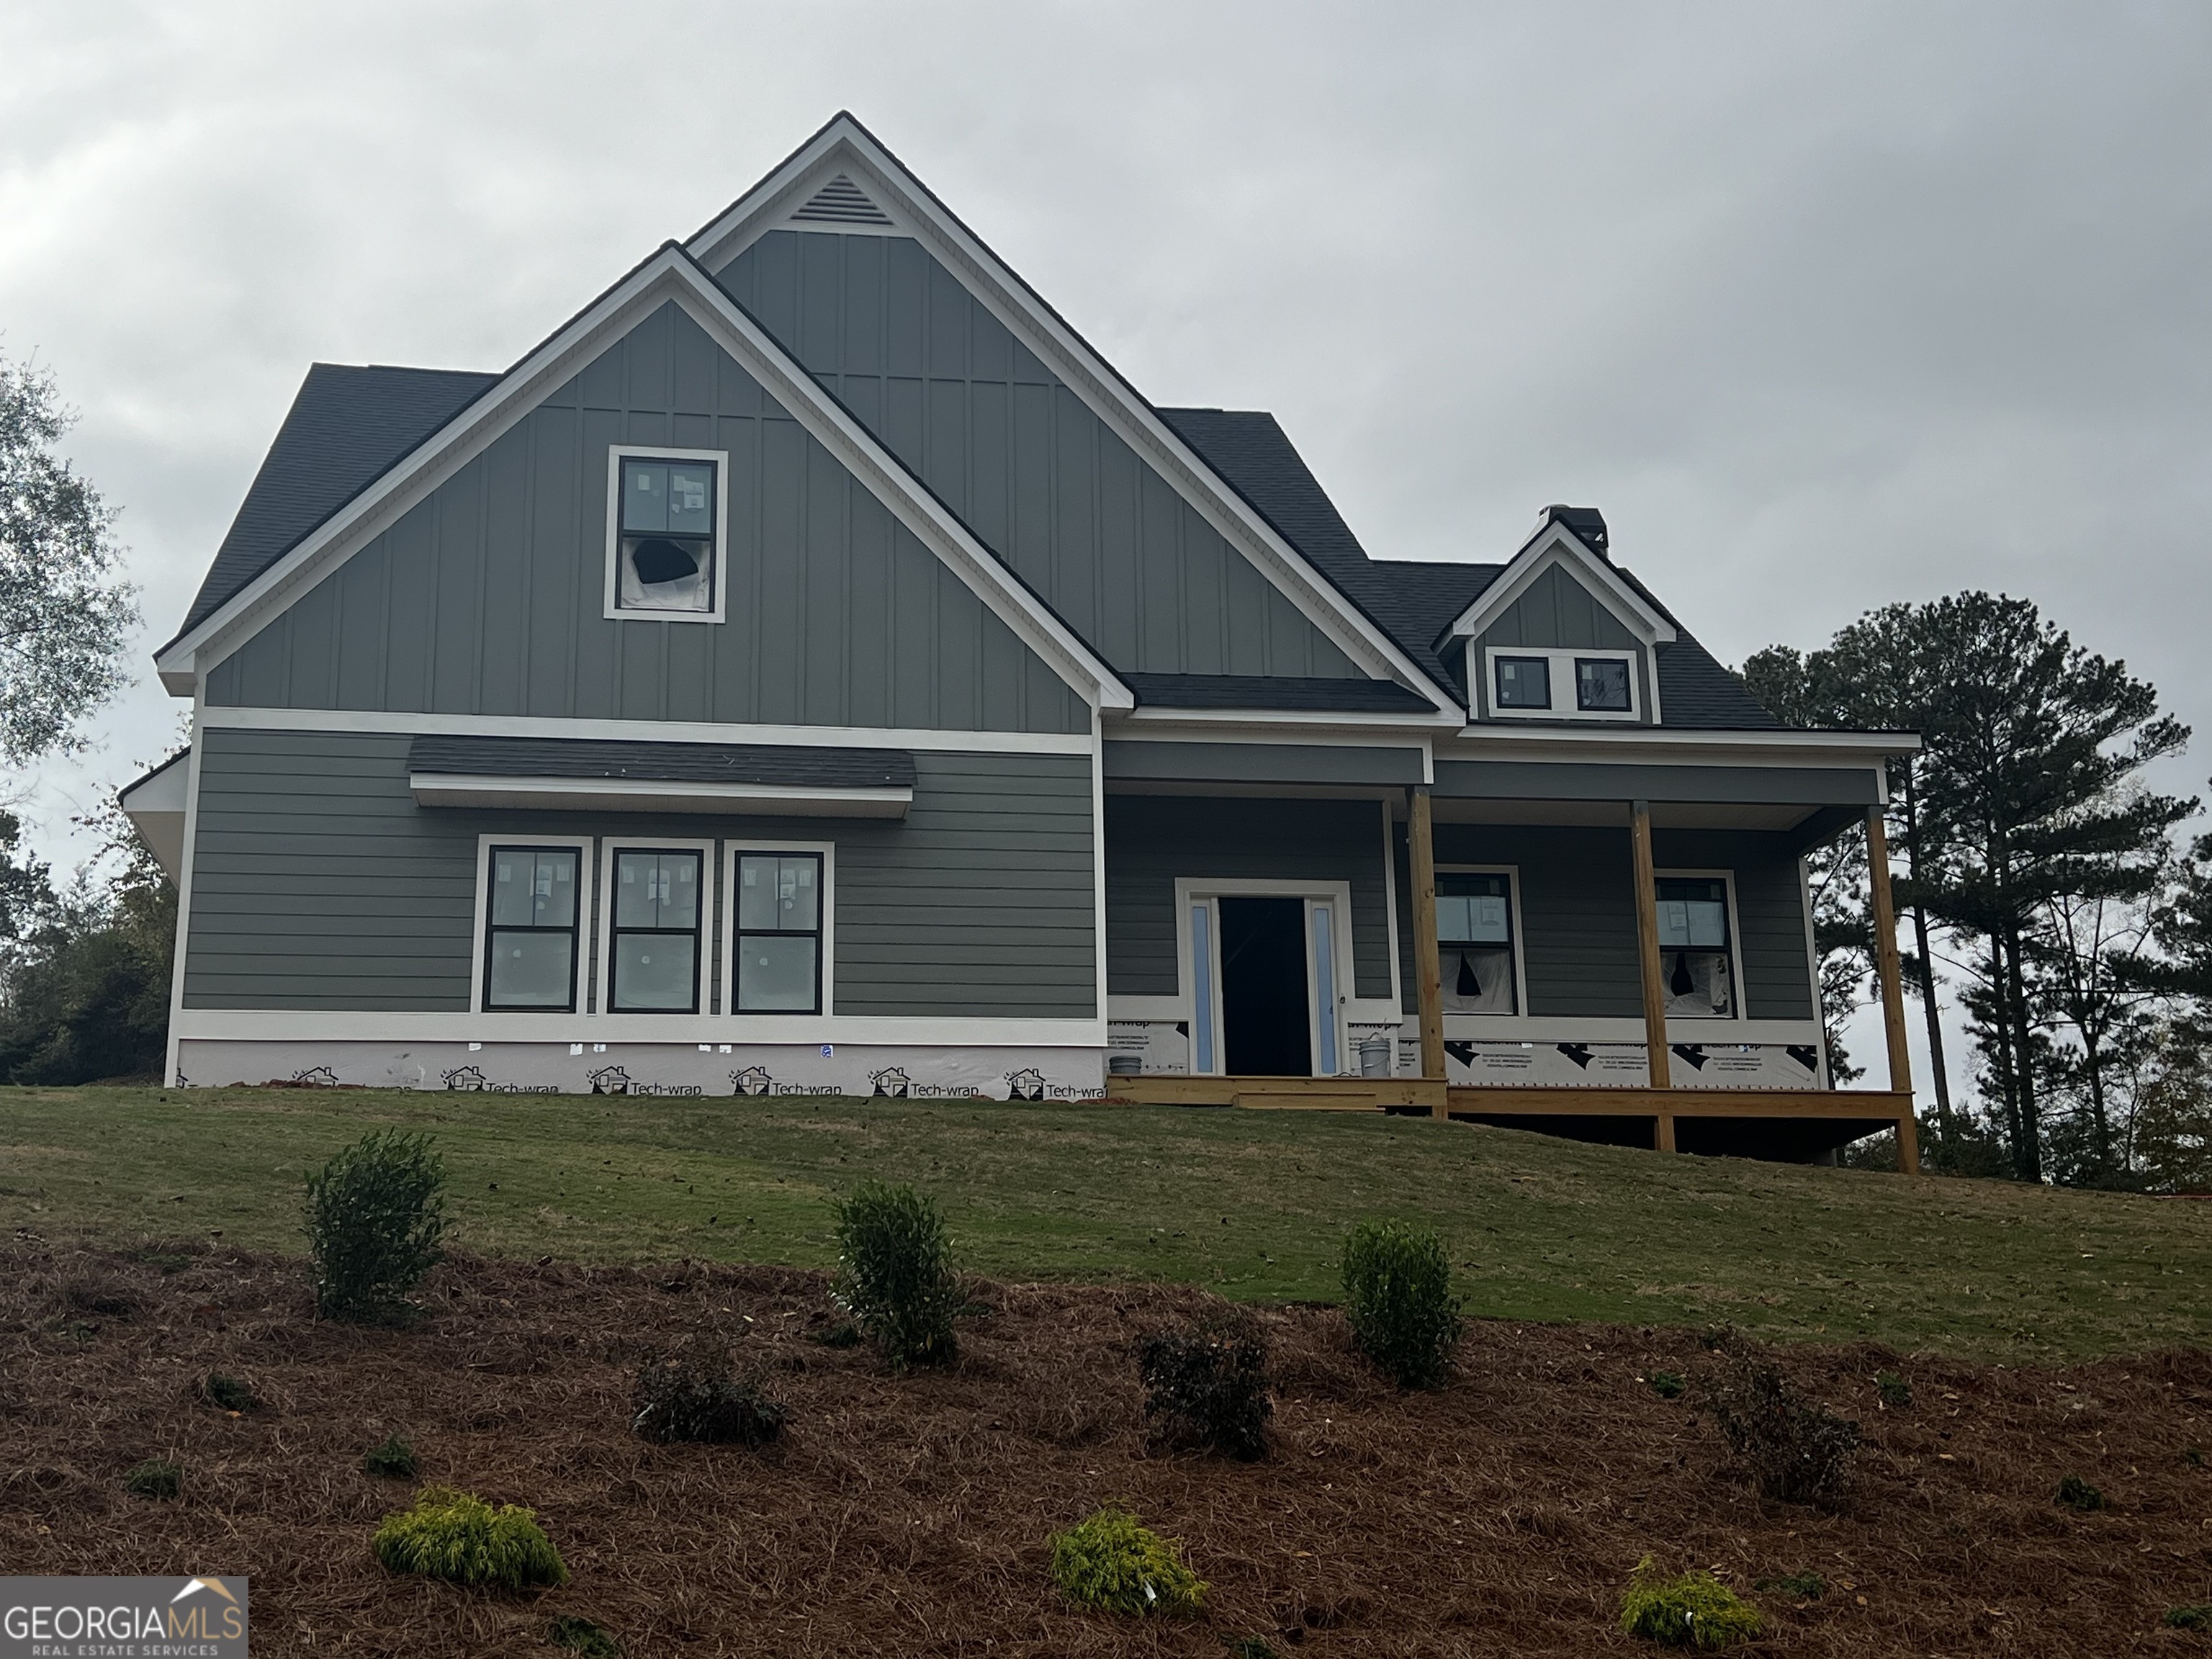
(1190, 892)
(605, 951)
(616, 455)
(731, 852)
(480, 939)
(1726, 877)
(1513, 874)
(1562, 660)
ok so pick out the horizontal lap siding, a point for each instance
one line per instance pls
(1153, 840)
(318, 883)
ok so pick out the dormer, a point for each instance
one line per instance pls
(1561, 636)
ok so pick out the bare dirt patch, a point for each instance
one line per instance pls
(1499, 1515)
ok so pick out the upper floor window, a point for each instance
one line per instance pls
(1602, 686)
(1695, 963)
(1531, 683)
(1524, 683)
(1474, 942)
(665, 558)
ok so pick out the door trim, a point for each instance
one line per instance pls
(1191, 891)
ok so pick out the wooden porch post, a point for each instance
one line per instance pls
(1647, 951)
(1888, 974)
(1421, 836)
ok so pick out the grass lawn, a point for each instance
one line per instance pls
(1248, 1204)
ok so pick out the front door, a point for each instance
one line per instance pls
(1266, 1031)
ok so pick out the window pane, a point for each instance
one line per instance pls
(531, 971)
(645, 495)
(1524, 683)
(1325, 989)
(1698, 984)
(1201, 966)
(533, 887)
(666, 572)
(1473, 910)
(1478, 980)
(1601, 684)
(1693, 912)
(780, 892)
(656, 890)
(654, 970)
(775, 975)
(690, 499)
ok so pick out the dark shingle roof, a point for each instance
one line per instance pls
(346, 428)
(1274, 691)
(679, 762)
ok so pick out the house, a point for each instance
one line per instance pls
(814, 669)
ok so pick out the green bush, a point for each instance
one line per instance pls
(394, 1460)
(1896, 1392)
(1397, 1294)
(1798, 1453)
(156, 1478)
(2196, 1618)
(2079, 1495)
(1110, 1564)
(464, 1540)
(1665, 1384)
(692, 1396)
(581, 1635)
(895, 1277)
(230, 1394)
(1208, 1387)
(375, 1220)
(1694, 1611)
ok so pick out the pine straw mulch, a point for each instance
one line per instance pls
(1500, 1515)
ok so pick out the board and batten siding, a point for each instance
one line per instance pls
(1578, 920)
(1111, 544)
(318, 883)
(1558, 613)
(488, 598)
(1152, 841)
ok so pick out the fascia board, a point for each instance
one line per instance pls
(670, 274)
(1113, 399)
(1662, 744)
(1295, 718)
(1542, 553)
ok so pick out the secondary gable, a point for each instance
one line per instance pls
(486, 597)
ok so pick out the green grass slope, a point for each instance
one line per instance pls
(1249, 1204)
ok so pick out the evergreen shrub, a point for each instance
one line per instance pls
(581, 1635)
(894, 1275)
(1111, 1565)
(1797, 1453)
(391, 1460)
(1693, 1611)
(1397, 1294)
(1208, 1385)
(2079, 1495)
(156, 1478)
(451, 1535)
(691, 1396)
(375, 1221)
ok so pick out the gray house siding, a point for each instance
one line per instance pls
(1558, 613)
(489, 596)
(1152, 839)
(1108, 542)
(1578, 923)
(318, 883)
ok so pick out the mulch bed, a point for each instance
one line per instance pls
(1499, 1515)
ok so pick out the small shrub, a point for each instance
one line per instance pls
(2079, 1495)
(1809, 1585)
(581, 1635)
(2193, 1457)
(230, 1394)
(394, 1460)
(2196, 1618)
(1248, 1647)
(1694, 1611)
(1895, 1392)
(1397, 1293)
(692, 1397)
(464, 1540)
(1110, 1564)
(156, 1478)
(375, 1220)
(1798, 1453)
(1665, 1384)
(1208, 1385)
(895, 1276)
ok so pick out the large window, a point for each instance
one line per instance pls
(1543, 682)
(1694, 948)
(1524, 681)
(667, 529)
(1602, 686)
(1475, 940)
(531, 928)
(778, 951)
(653, 958)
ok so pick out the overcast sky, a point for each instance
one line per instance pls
(1825, 307)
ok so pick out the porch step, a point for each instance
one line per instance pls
(1313, 1100)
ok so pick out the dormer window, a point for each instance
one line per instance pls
(1602, 686)
(1524, 681)
(665, 554)
(1548, 684)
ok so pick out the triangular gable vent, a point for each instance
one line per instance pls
(843, 202)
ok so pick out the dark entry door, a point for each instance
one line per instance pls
(1264, 1029)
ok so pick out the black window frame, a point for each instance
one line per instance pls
(1511, 945)
(710, 538)
(740, 932)
(494, 930)
(617, 933)
(1498, 664)
(1627, 665)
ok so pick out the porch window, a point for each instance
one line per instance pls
(666, 533)
(655, 953)
(1694, 948)
(530, 931)
(779, 943)
(1474, 940)
(1524, 681)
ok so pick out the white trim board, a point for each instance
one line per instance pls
(273, 1024)
(669, 275)
(659, 795)
(843, 145)
(720, 459)
(1562, 548)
